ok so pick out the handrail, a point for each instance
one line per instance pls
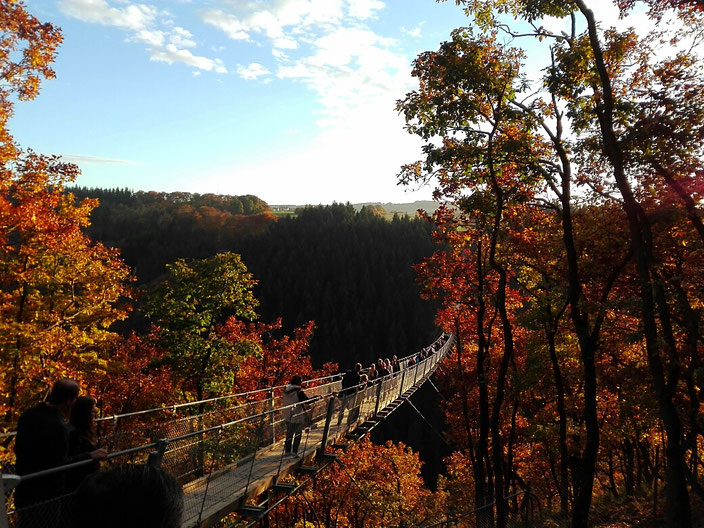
(66, 467)
(217, 398)
(208, 400)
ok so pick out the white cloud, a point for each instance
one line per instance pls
(415, 32)
(170, 54)
(152, 37)
(281, 20)
(230, 24)
(364, 8)
(181, 38)
(350, 71)
(253, 71)
(80, 159)
(147, 25)
(135, 16)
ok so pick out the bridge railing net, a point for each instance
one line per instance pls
(196, 448)
(122, 431)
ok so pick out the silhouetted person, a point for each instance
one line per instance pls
(294, 415)
(381, 368)
(81, 439)
(131, 495)
(42, 443)
(349, 384)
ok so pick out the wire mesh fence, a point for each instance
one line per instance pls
(219, 452)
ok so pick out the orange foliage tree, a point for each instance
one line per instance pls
(274, 359)
(59, 291)
(373, 486)
(606, 335)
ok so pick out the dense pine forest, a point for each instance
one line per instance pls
(349, 272)
(152, 229)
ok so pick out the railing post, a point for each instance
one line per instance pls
(403, 378)
(272, 417)
(378, 397)
(4, 521)
(326, 428)
(155, 457)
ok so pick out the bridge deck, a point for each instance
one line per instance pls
(208, 499)
(224, 456)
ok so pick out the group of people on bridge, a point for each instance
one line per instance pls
(297, 404)
(60, 431)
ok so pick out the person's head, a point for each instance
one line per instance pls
(372, 368)
(358, 367)
(363, 378)
(83, 416)
(63, 394)
(139, 496)
(394, 359)
(296, 380)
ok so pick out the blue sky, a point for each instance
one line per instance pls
(290, 100)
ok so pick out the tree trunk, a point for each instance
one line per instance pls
(563, 488)
(678, 510)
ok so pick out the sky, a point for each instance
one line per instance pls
(290, 100)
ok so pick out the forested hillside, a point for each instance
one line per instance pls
(155, 228)
(349, 271)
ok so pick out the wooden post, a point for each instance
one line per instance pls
(4, 521)
(326, 428)
(272, 417)
(378, 397)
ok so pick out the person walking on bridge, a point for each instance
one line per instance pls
(349, 389)
(294, 415)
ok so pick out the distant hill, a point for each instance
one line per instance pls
(408, 209)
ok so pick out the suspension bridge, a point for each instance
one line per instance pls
(228, 452)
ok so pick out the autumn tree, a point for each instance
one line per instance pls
(59, 291)
(27, 49)
(274, 358)
(135, 377)
(617, 120)
(371, 486)
(189, 307)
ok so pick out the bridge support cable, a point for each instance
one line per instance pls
(209, 477)
(354, 481)
(257, 441)
(463, 515)
(433, 429)
(436, 389)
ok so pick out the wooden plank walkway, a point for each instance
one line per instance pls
(208, 499)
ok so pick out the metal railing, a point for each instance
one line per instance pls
(209, 452)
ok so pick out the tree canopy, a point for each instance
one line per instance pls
(578, 194)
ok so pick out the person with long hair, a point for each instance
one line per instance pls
(82, 438)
